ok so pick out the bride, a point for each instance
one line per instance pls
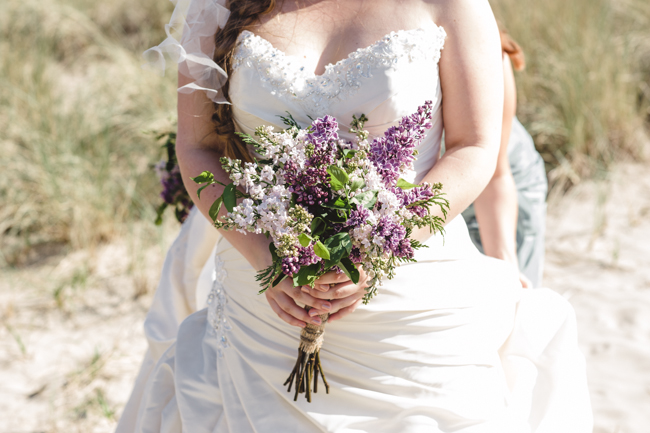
(453, 343)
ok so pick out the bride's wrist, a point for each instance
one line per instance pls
(261, 256)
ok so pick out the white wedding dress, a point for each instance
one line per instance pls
(452, 344)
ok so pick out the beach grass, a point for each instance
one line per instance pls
(75, 106)
(584, 95)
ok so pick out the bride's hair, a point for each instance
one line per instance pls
(243, 13)
(512, 49)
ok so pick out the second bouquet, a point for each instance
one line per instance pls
(329, 204)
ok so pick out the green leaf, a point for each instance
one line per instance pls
(159, 213)
(349, 153)
(289, 120)
(204, 177)
(229, 197)
(215, 209)
(198, 192)
(338, 177)
(356, 184)
(240, 194)
(338, 217)
(321, 250)
(279, 279)
(366, 199)
(349, 269)
(306, 275)
(318, 226)
(339, 203)
(401, 183)
(339, 246)
(247, 138)
(274, 252)
(304, 239)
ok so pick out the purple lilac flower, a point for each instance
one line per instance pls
(394, 151)
(172, 185)
(355, 255)
(174, 192)
(392, 232)
(307, 256)
(404, 249)
(325, 130)
(414, 195)
(324, 137)
(310, 185)
(358, 217)
(290, 265)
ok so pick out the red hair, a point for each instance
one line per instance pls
(512, 49)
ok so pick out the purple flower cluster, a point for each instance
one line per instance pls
(394, 150)
(358, 216)
(355, 255)
(405, 249)
(325, 131)
(324, 138)
(414, 195)
(174, 193)
(306, 257)
(290, 265)
(310, 185)
(394, 235)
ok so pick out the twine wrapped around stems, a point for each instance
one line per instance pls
(308, 365)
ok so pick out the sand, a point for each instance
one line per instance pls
(71, 325)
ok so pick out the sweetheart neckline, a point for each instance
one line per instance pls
(331, 66)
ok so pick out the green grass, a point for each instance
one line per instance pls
(584, 94)
(74, 103)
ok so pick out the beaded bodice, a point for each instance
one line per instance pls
(384, 81)
(284, 76)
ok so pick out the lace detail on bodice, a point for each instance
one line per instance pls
(217, 304)
(283, 75)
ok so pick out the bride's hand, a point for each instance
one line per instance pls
(284, 299)
(344, 295)
(332, 293)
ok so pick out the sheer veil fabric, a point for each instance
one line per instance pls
(452, 344)
(190, 44)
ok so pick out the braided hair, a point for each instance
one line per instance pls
(243, 13)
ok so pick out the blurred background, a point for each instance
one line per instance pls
(80, 254)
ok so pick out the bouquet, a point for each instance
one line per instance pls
(329, 204)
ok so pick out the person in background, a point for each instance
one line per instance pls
(507, 220)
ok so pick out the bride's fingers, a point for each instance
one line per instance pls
(303, 297)
(332, 277)
(340, 304)
(338, 291)
(290, 307)
(282, 314)
(344, 311)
